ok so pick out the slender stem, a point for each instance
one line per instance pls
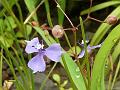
(67, 40)
(74, 29)
(19, 11)
(16, 53)
(89, 17)
(28, 18)
(111, 72)
(43, 84)
(1, 59)
(64, 14)
(48, 13)
(116, 73)
(96, 20)
(90, 8)
(13, 71)
(86, 53)
(80, 68)
(49, 17)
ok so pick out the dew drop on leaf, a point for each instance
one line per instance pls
(77, 76)
(77, 69)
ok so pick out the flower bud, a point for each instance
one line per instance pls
(34, 23)
(57, 31)
(46, 32)
(111, 20)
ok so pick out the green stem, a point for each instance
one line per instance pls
(78, 63)
(111, 72)
(66, 37)
(21, 60)
(64, 14)
(69, 75)
(21, 20)
(75, 44)
(116, 73)
(43, 84)
(13, 71)
(48, 13)
(1, 59)
(33, 12)
(86, 53)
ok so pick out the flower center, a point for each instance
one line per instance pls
(39, 46)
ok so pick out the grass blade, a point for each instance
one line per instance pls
(31, 7)
(100, 58)
(62, 4)
(100, 6)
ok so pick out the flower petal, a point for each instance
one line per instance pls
(30, 47)
(54, 52)
(81, 54)
(37, 63)
(93, 47)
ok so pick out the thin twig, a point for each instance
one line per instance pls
(89, 17)
(28, 18)
(64, 14)
(44, 81)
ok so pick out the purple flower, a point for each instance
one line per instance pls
(89, 48)
(37, 63)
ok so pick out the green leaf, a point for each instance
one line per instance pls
(6, 39)
(1, 26)
(56, 77)
(62, 4)
(64, 83)
(10, 23)
(73, 72)
(116, 52)
(47, 7)
(28, 29)
(11, 3)
(101, 56)
(100, 6)
(115, 55)
(19, 34)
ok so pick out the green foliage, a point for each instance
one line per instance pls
(31, 6)
(13, 32)
(101, 56)
(61, 86)
(56, 77)
(6, 27)
(103, 29)
(100, 6)
(62, 3)
(48, 13)
(74, 73)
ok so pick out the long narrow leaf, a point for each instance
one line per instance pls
(100, 6)
(115, 55)
(102, 55)
(62, 4)
(31, 7)
(73, 73)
